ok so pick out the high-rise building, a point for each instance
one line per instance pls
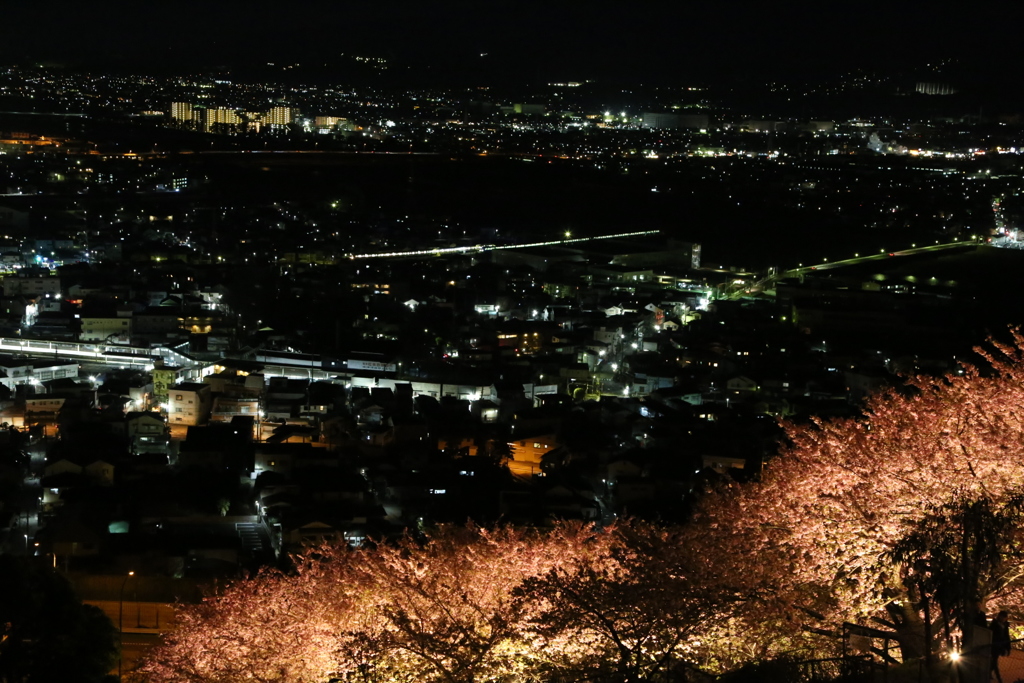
(181, 111)
(934, 88)
(222, 116)
(254, 120)
(281, 116)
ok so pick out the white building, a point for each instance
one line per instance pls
(15, 371)
(189, 403)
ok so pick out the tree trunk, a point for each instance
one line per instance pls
(910, 628)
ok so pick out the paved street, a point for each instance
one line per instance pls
(20, 538)
(134, 645)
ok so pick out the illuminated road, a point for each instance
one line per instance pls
(42, 113)
(883, 256)
(738, 289)
(477, 248)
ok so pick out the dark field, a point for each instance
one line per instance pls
(739, 224)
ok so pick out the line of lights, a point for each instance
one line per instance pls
(875, 257)
(478, 248)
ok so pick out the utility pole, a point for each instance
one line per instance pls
(120, 625)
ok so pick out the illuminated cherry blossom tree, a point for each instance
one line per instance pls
(960, 550)
(850, 523)
(634, 615)
(809, 545)
(446, 606)
(438, 610)
(271, 628)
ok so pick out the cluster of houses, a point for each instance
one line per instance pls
(542, 384)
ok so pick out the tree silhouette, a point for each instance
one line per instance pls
(46, 633)
(960, 550)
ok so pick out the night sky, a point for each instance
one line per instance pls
(525, 40)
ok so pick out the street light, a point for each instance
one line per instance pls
(120, 625)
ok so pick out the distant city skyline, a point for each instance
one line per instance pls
(524, 41)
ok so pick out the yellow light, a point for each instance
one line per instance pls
(954, 656)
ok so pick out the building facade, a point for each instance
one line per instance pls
(189, 404)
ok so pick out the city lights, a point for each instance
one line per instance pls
(462, 370)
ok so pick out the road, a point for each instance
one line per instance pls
(493, 247)
(883, 256)
(19, 539)
(740, 288)
(133, 646)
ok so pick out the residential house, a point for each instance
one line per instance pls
(723, 464)
(528, 451)
(45, 404)
(741, 384)
(147, 432)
